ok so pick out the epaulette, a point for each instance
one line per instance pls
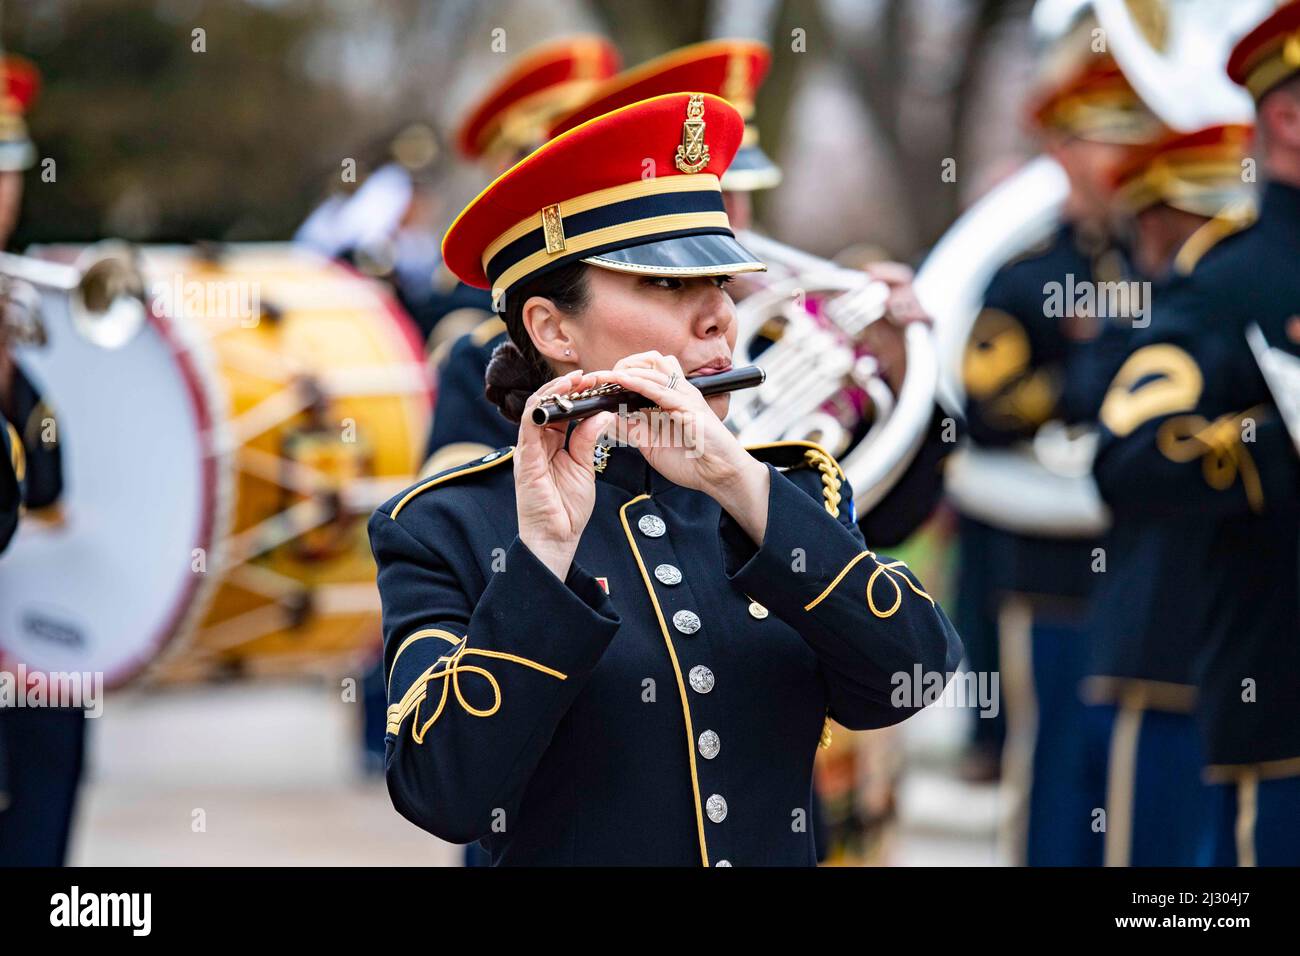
(1231, 220)
(491, 460)
(793, 454)
(455, 326)
(487, 330)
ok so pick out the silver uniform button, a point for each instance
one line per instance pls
(491, 456)
(701, 679)
(667, 574)
(688, 622)
(709, 745)
(723, 863)
(652, 526)
(716, 808)
(757, 610)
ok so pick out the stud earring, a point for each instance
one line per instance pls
(568, 351)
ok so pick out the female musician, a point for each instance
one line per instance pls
(627, 655)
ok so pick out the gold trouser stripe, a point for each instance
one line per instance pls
(657, 186)
(677, 672)
(421, 488)
(621, 232)
(1121, 783)
(1016, 663)
(1247, 813)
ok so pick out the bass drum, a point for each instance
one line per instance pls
(219, 462)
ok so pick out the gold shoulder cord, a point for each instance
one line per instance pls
(830, 479)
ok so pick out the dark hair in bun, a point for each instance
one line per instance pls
(517, 369)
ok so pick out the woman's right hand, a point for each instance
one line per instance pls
(555, 487)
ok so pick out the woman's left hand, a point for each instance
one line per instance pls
(683, 439)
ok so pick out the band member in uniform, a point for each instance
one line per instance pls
(627, 656)
(386, 227)
(1149, 608)
(1023, 367)
(733, 69)
(1191, 428)
(505, 123)
(41, 748)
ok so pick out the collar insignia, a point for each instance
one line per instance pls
(600, 454)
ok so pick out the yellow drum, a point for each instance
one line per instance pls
(220, 465)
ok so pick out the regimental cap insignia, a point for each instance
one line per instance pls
(693, 153)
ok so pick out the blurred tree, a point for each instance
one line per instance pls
(158, 133)
(921, 99)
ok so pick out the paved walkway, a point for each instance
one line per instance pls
(268, 774)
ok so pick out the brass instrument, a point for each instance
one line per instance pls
(815, 311)
(1045, 487)
(611, 397)
(104, 291)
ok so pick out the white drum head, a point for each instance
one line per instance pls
(123, 567)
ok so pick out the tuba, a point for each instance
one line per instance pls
(819, 381)
(1173, 53)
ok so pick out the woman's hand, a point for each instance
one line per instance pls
(886, 339)
(555, 488)
(685, 440)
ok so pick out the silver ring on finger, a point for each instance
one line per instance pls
(672, 380)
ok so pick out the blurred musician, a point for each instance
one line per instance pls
(505, 123)
(1192, 430)
(1025, 366)
(1184, 194)
(41, 748)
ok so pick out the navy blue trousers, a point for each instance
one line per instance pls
(1254, 823)
(43, 750)
(1147, 764)
(1062, 809)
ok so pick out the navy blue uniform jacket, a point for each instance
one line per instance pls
(1191, 433)
(663, 703)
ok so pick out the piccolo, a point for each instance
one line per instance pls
(611, 397)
